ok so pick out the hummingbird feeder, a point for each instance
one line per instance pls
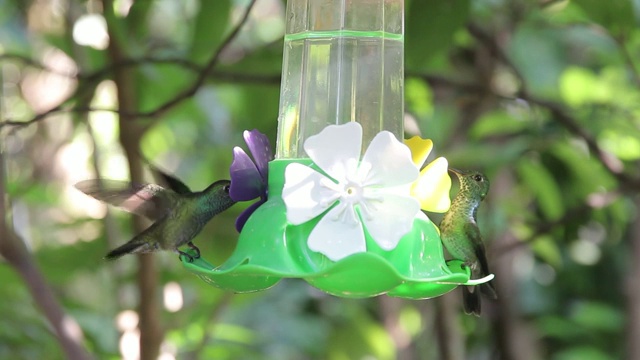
(340, 204)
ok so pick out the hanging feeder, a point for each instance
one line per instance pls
(340, 205)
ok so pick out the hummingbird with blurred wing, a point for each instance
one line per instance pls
(461, 236)
(178, 214)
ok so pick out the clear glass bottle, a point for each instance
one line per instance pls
(343, 61)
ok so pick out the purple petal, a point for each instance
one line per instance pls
(246, 182)
(260, 149)
(244, 216)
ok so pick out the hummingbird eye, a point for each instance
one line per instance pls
(477, 178)
(226, 188)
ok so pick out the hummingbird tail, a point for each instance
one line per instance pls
(136, 245)
(471, 300)
(488, 290)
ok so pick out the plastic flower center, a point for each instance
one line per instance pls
(352, 193)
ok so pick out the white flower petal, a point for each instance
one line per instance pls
(389, 219)
(306, 193)
(390, 162)
(378, 186)
(336, 239)
(334, 146)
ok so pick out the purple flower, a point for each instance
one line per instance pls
(249, 176)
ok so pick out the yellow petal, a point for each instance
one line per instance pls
(433, 186)
(420, 149)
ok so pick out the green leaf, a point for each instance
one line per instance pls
(156, 84)
(360, 338)
(615, 15)
(624, 145)
(64, 261)
(544, 188)
(579, 86)
(210, 26)
(14, 37)
(418, 97)
(582, 352)
(583, 167)
(540, 57)
(266, 61)
(547, 249)
(61, 42)
(137, 17)
(497, 123)
(99, 327)
(598, 316)
(262, 113)
(483, 155)
(430, 28)
(560, 327)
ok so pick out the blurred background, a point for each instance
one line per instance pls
(542, 96)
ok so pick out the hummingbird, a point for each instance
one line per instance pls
(178, 214)
(461, 236)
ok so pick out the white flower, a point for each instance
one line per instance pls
(372, 194)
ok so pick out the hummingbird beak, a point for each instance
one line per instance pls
(455, 171)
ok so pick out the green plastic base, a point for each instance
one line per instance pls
(269, 249)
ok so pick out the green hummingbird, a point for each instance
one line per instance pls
(461, 236)
(178, 214)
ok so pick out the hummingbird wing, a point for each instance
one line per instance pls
(171, 181)
(478, 247)
(148, 200)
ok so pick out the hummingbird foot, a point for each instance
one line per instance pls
(195, 248)
(189, 257)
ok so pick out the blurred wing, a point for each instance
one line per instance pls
(171, 181)
(148, 200)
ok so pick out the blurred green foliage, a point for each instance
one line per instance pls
(485, 80)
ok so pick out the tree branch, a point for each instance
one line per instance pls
(495, 49)
(632, 289)
(185, 64)
(451, 341)
(611, 163)
(206, 71)
(12, 248)
(542, 228)
(222, 76)
(151, 332)
(516, 338)
(34, 64)
(203, 73)
(628, 58)
(558, 112)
